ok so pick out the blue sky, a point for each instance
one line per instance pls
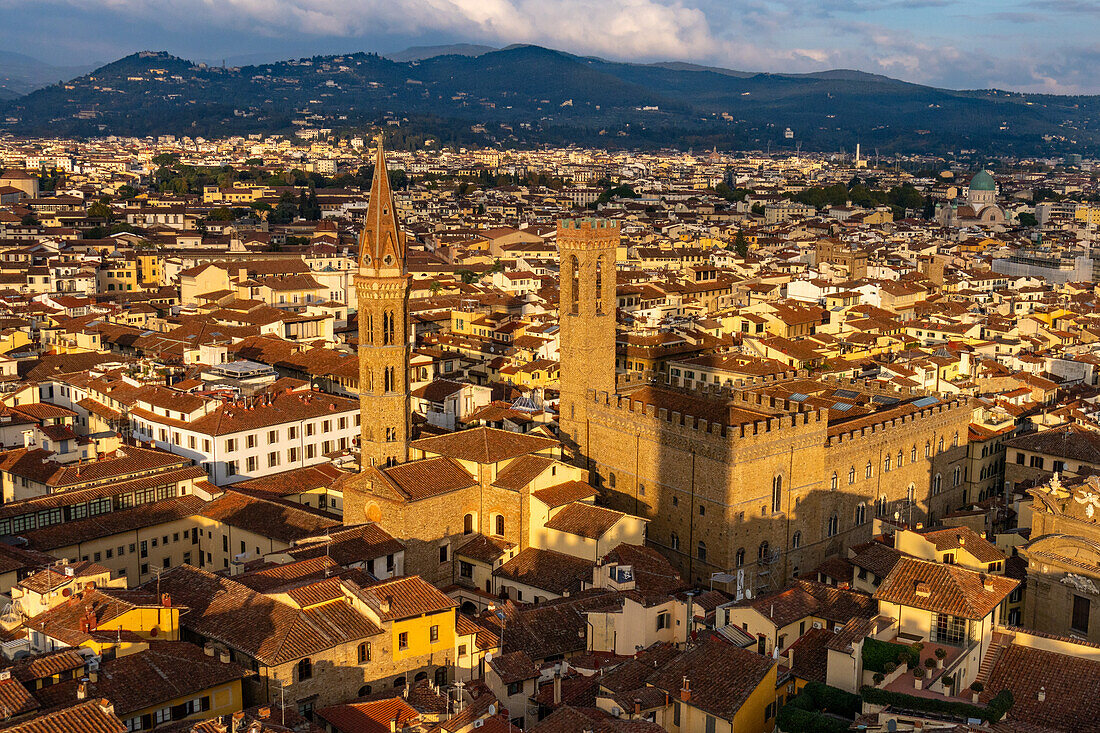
(1029, 45)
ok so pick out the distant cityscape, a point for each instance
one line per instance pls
(354, 429)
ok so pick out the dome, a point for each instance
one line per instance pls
(983, 181)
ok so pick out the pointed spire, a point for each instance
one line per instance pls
(381, 243)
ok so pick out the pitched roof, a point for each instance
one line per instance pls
(407, 597)
(370, 717)
(521, 471)
(720, 676)
(92, 716)
(565, 493)
(951, 589)
(803, 598)
(428, 477)
(484, 445)
(547, 570)
(584, 520)
(1070, 683)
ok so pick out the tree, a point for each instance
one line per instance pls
(758, 209)
(740, 244)
(100, 210)
(29, 220)
(166, 159)
(1027, 219)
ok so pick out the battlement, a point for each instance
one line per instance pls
(779, 413)
(588, 222)
(842, 433)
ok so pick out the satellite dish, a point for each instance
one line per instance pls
(492, 710)
(892, 725)
(488, 657)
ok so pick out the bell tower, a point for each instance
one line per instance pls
(382, 295)
(586, 313)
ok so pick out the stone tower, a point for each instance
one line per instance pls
(586, 309)
(382, 294)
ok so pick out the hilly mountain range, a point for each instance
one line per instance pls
(528, 95)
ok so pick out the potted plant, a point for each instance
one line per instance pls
(975, 688)
(930, 664)
(941, 653)
(918, 677)
(948, 682)
(878, 678)
(889, 667)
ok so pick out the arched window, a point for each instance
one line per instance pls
(468, 524)
(674, 541)
(365, 690)
(880, 506)
(388, 381)
(777, 494)
(371, 336)
(796, 540)
(364, 652)
(868, 470)
(399, 683)
(913, 454)
(886, 464)
(387, 328)
(861, 513)
(762, 551)
(500, 525)
(305, 669)
(909, 493)
(927, 448)
(851, 475)
(611, 479)
(941, 445)
(834, 482)
(701, 551)
(955, 440)
(834, 525)
(901, 454)
(368, 378)
(937, 481)
(739, 560)
(957, 476)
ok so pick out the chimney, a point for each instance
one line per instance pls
(685, 691)
(1042, 694)
(81, 691)
(264, 713)
(384, 606)
(637, 707)
(93, 676)
(987, 582)
(922, 589)
(224, 656)
(790, 658)
(208, 649)
(166, 600)
(557, 688)
(238, 718)
(393, 725)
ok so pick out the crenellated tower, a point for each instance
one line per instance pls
(382, 295)
(586, 311)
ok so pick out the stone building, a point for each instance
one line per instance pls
(1063, 557)
(750, 485)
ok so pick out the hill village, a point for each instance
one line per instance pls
(297, 434)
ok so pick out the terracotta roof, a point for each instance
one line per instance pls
(294, 481)
(429, 477)
(1072, 442)
(263, 628)
(944, 588)
(811, 655)
(875, 557)
(407, 597)
(484, 549)
(15, 700)
(278, 520)
(484, 445)
(803, 598)
(105, 525)
(720, 675)
(953, 538)
(92, 716)
(1070, 683)
(166, 671)
(584, 520)
(370, 717)
(514, 667)
(547, 570)
(521, 471)
(565, 493)
(569, 719)
(349, 546)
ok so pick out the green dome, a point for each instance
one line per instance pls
(983, 181)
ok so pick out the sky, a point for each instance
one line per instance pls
(1024, 45)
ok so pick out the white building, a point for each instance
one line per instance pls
(251, 437)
